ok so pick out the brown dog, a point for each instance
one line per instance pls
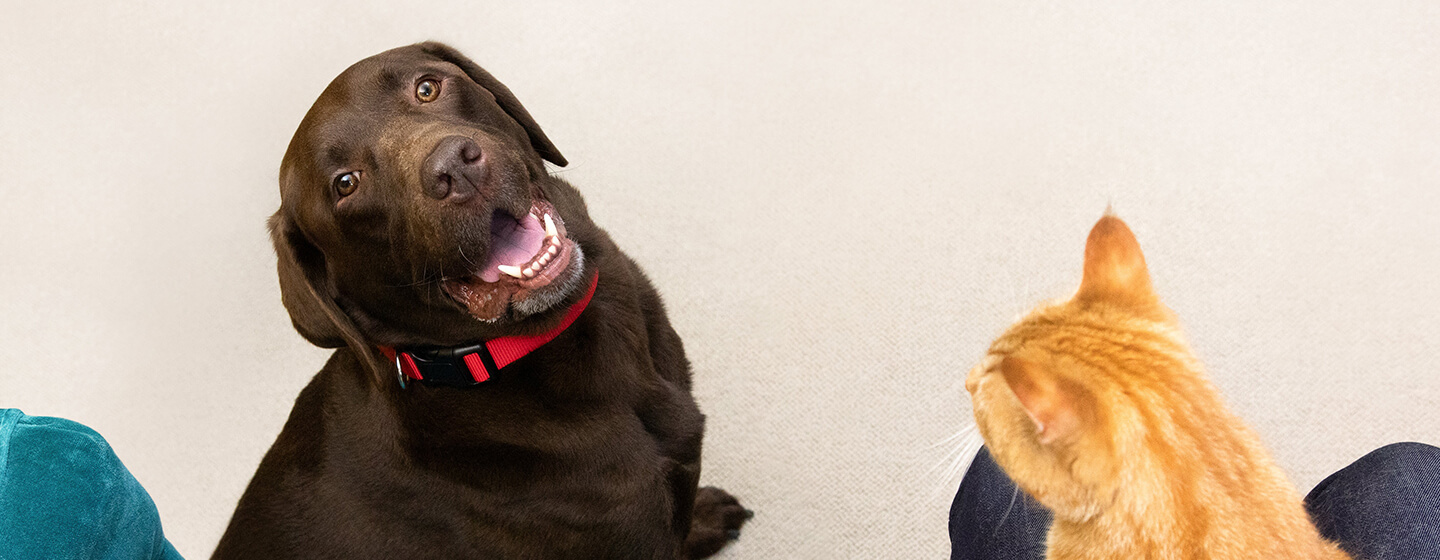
(505, 384)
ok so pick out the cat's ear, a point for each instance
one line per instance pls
(1060, 408)
(1114, 266)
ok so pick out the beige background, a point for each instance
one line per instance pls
(842, 204)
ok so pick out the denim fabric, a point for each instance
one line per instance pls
(992, 519)
(1385, 506)
(65, 495)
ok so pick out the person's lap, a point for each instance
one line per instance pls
(1386, 505)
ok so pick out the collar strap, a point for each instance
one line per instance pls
(466, 366)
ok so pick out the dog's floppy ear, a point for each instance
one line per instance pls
(305, 291)
(502, 94)
(304, 288)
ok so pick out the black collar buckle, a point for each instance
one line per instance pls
(464, 366)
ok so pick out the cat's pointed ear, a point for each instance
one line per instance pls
(1114, 266)
(1059, 407)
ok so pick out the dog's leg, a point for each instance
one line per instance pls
(715, 521)
(706, 519)
(684, 481)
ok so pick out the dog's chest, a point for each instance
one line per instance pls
(590, 478)
(428, 515)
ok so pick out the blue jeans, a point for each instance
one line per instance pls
(1385, 506)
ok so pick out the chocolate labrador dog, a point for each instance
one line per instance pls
(505, 382)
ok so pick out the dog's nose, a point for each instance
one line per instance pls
(453, 169)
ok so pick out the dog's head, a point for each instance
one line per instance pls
(416, 209)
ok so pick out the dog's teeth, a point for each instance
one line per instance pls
(529, 272)
(544, 259)
(550, 228)
(552, 250)
(510, 270)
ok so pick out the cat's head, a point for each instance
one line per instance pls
(1065, 398)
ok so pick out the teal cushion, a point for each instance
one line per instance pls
(64, 494)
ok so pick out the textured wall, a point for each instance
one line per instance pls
(842, 204)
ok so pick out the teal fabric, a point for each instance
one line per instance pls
(65, 495)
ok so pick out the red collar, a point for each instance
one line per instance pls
(472, 365)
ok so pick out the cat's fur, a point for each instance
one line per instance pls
(1097, 408)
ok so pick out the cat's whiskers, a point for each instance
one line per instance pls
(951, 455)
(945, 442)
(1014, 495)
(958, 451)
(965, 455)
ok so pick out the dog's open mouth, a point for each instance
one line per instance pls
(526, 254)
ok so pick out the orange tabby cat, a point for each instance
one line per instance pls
(1097, 408)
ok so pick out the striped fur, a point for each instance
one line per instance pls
(1097, 408)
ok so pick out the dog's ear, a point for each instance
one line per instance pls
(304, 288)
(306, 293)
(502, 94)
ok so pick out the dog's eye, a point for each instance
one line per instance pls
(347, 183)
(427, 91)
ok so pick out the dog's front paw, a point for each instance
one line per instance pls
(715, 522)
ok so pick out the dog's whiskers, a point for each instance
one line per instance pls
(424, 277)
(421, 282)
(461, 248)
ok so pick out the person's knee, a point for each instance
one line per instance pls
(1401, 455)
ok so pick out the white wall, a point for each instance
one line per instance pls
(841, 202)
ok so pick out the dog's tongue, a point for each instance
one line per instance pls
(512, 242)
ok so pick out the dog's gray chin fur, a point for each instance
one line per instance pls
(535, 304)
